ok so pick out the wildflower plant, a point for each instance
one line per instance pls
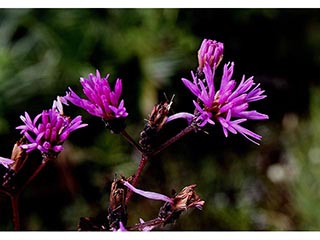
(226, 105)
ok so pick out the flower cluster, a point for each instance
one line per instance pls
(229, 104)
(102, 101)
(49, 129)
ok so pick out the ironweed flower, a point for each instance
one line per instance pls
(210, 52)
(229, 105)
(102, 101)
(48, 130)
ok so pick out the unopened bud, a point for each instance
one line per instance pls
(211, 52)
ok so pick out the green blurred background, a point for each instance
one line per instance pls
(274, 186)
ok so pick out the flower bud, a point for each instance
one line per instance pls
(211, 52)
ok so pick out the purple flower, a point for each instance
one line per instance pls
(102, 101)
(210, 52)
(228, 105)
(49, 129)
(6, 162)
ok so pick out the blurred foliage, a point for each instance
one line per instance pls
(304, 160)
(271, 187)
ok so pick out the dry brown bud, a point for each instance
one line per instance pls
(19, 155)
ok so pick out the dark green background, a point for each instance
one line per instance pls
(274, 186)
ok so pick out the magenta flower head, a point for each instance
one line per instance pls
(210, 52)
(48, 130)
(228, 105)
(101, 100)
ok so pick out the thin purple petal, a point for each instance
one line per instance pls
(146, 194)
(6, 162)
(193, 88)
(188, 116)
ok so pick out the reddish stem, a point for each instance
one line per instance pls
(144, 158)
(15, 211)
(130, 140)
(143, 161)
(35, 173)
(14, 197)
(14, 200)
(172, 140)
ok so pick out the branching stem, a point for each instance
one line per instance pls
(14, 195)
(145, 157)
(172, 140)
(35, 173)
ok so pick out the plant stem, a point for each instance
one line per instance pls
(144, 158)
(15, 211)
(130, 140)
(143, 161)
(14, 200)
(172, 140)
(14, 197)
(35, 173)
